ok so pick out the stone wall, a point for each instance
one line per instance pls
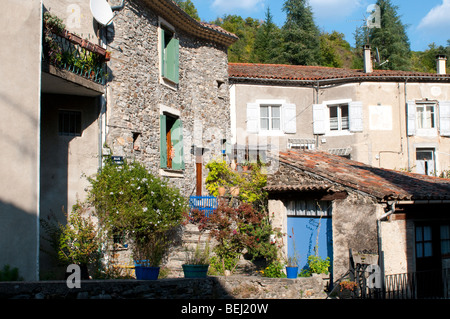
(136, 94)
(233, 287)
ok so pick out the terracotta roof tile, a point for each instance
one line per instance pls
(381, 183)
(313, 73)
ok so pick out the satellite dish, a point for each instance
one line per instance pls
(102, 12)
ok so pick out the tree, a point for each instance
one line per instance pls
(189, 8)
(390, 39)
(426, 61)
(335, 51)
(267, 41)
(241, 50)
(300, 35)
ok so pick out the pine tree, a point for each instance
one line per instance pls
(267, 41)
(391, 39)
(300, 35)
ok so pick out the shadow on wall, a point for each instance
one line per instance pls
(68, 151)
(18, 240)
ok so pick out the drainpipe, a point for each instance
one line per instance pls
(380, 240)
(406, 120)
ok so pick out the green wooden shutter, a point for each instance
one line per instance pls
(177, 141)
(163, 142)
(172, 60)
(163, 58)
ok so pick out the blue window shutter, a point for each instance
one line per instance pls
(319, 117)
(444, 118)
(252, 117)
(177, 142)
(411, 118)
(163, 142)
(355, 111)
(289, 118)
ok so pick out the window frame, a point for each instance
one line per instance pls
(73, 115)
(422, 119)
(339, 117)
(270, 117)
(172, 78)
(174, 115)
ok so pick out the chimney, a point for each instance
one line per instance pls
(367, 59)
(441, 64)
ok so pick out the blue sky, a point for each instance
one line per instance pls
(428, 21)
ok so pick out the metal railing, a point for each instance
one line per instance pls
(70, 52)
(206, 204)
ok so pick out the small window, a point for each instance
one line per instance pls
(425, 116)
(425, 161)
(171, 146)
(445, 240)
(339, 117)
(270, 117)
(424, 247)
(69, 123)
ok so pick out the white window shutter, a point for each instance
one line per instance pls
(289, 118)
(319, 118)
(355, 114)
(444, 118)
(252, 117)
(411, 118)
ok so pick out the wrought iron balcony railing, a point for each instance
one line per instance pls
(68, 51)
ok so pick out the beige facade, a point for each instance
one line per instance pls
(396, 122)
(19, 138)
(58, 117)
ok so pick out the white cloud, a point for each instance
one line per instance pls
(334, 9)
(227, 6)
(437, 18)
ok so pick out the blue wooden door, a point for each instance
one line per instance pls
(308, 233)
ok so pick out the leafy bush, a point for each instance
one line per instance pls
(316, 265)
(10, 274)
(129, 200)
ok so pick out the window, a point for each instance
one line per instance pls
(169, 55)
(425, 162)
(445, 240)
(270, 117)
(171, 142)
(424, 247)
(425, 116)
(69, 123)
(338, 117)
(309, 208)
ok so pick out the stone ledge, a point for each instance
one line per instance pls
(232, 287)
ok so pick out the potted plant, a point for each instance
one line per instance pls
(346, 289)
(197, 262)
(76, 242)
(130, 200)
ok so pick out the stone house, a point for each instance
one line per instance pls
(391, 119)
(154, 75)
(335, 204)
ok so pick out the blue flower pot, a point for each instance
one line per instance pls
(291, 272)
(144, 272)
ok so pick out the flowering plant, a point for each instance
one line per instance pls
(130, 200)
(348, 285)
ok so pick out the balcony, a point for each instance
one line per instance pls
(71, 65)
